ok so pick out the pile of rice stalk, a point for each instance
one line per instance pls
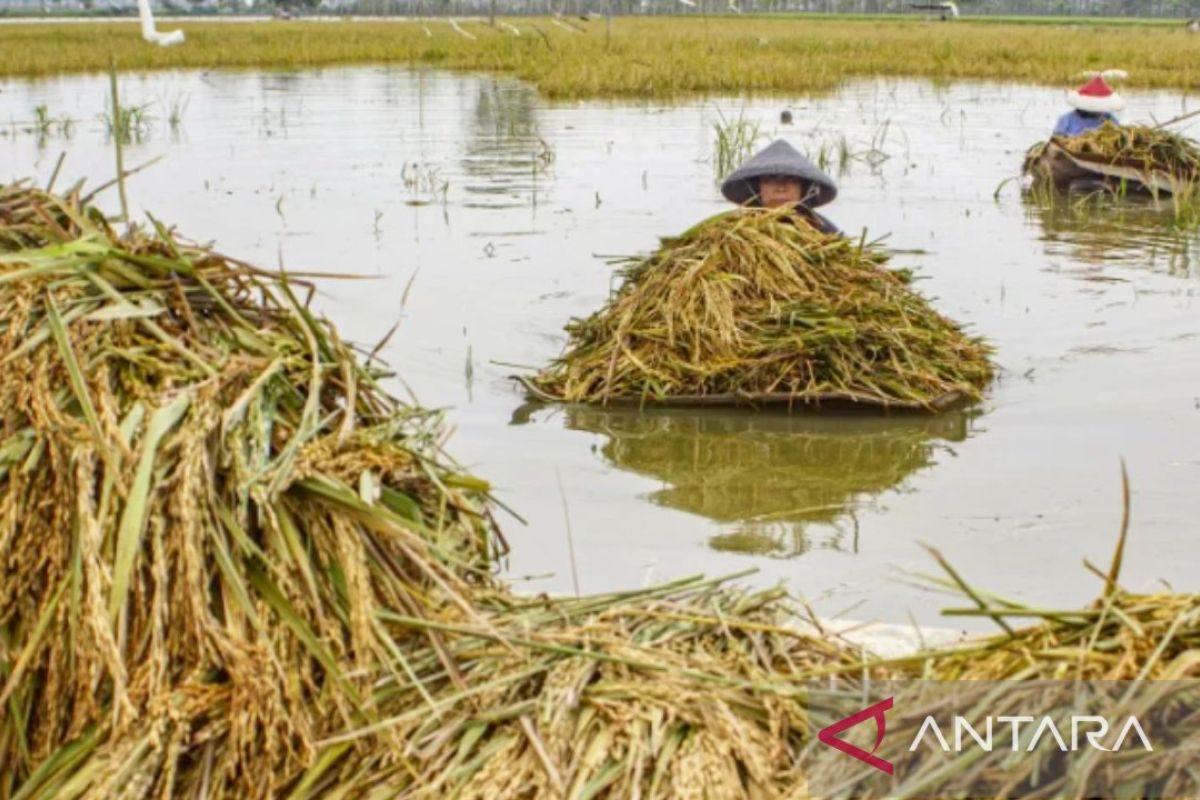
(755, 303)
(205, 499)
(232, 566)
(687, 690)
(1121, 636)
(1143, 148)
(1123, 641)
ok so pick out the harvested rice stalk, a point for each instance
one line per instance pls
(755, 304)
(1161, 160)
(1137, 146)
(687, 690)
(231, 566)
(1125, 653)
(205, 500)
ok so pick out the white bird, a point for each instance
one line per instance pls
(689, 3)
(150, 32)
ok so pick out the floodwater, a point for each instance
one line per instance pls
(482, 216)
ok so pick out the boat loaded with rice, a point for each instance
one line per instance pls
(1129, 159)
(756, 307)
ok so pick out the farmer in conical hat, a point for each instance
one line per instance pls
(1095, 103)
(779, 176)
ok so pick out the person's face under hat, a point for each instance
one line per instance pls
(780, 190)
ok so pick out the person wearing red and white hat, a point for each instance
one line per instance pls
(1095, 103)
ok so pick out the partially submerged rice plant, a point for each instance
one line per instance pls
(175, 106)
(735, 142)
(44, 123)
(755, 305)
(127, 123)
(836, 153)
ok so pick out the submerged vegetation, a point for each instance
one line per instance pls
(756, 306)
(644, 57)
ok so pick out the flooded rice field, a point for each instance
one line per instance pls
(479, 218)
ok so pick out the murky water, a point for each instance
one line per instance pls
(482, 217)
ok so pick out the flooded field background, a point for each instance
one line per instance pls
(482, 217)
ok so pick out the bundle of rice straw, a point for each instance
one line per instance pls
(1134, 149)
(1126, 653)
(232, 566)
(756, 305)
(204, 500)
(1138, 146)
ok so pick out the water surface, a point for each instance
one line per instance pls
(483, 218)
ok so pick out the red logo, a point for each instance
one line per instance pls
(829, 735)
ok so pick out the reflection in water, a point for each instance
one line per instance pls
(770, 479)
(504, 153)
(1098, 229)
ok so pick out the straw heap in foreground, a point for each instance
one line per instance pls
(756, 305)
(204, 499)
(232, 566)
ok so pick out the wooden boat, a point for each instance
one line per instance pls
(1066, 171)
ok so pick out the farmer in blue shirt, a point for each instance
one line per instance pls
(1095, 104)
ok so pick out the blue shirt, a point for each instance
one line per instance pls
(1074, 123)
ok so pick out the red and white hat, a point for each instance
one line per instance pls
(1096, 96)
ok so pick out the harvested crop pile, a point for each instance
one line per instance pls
(755, 304)
(232, 566)
(204, 501)
(1127, 653)
(1134, 146)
